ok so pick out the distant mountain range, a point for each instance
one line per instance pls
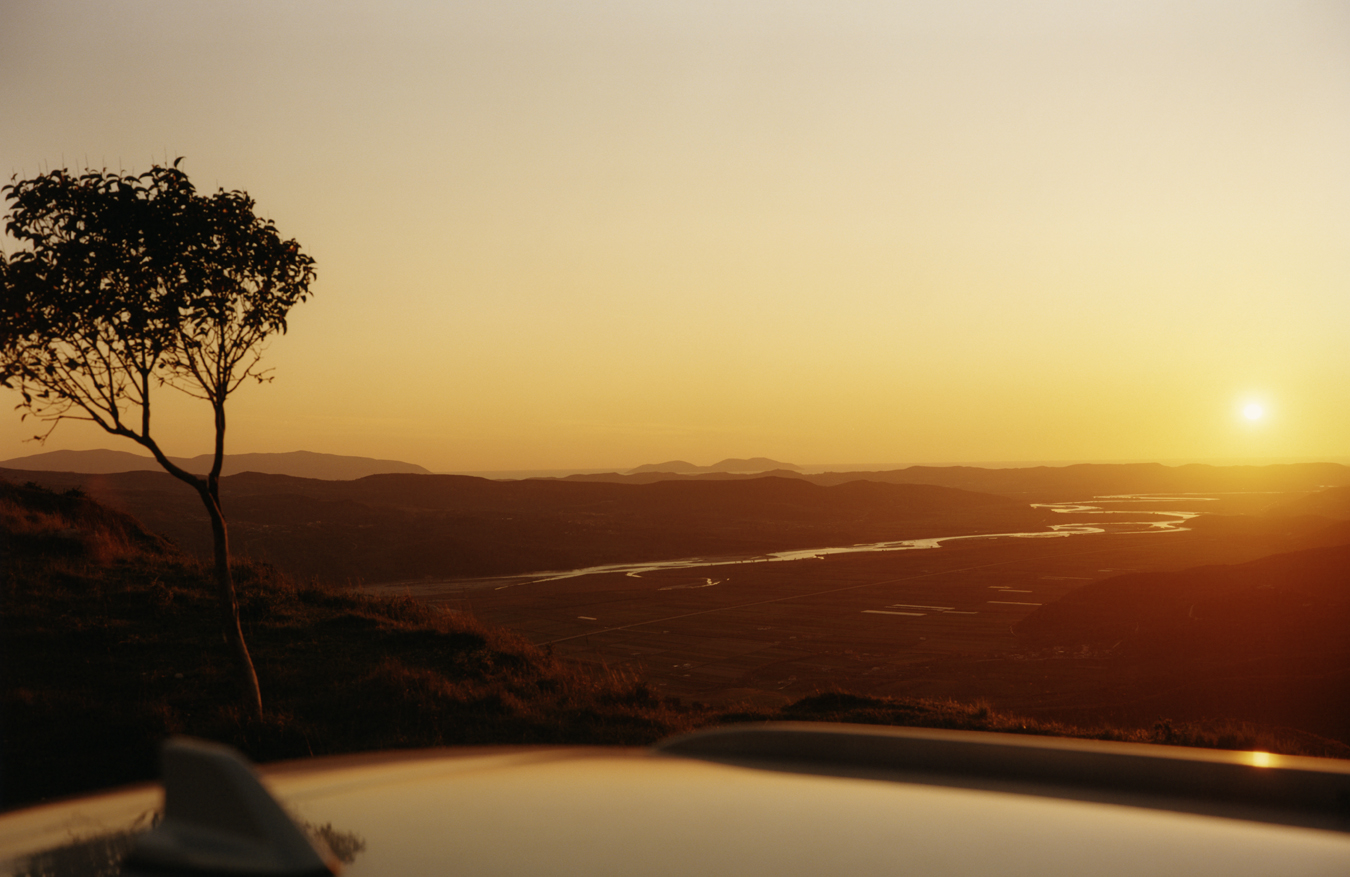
(1031, 484)
(300, 464)
(729, 465)
(1045, 483)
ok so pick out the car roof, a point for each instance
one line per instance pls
(792, 799)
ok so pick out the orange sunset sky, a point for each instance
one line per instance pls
(598, 234)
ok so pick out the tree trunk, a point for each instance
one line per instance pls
(228, 603)
(229, 606)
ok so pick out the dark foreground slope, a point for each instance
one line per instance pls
(398, 527)
(1264, 641)
(110, 643)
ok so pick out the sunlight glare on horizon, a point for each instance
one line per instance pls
(597, 234)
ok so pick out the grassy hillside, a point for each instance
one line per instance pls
(1264, 640)
(110, 642)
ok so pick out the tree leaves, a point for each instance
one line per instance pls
(121, 276)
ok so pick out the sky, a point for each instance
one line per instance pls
(588, 234)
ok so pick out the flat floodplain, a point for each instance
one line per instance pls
(931, 622)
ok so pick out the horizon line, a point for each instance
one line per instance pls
(806, 469)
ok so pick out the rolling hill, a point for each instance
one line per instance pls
(395, 527)
(1263, 641)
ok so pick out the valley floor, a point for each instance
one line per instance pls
(939, 623)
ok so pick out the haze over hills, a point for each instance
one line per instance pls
(1334, 502)
(301, 464)
(729, 465)
(1056, 483)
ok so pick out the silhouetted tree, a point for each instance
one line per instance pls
(123, 284)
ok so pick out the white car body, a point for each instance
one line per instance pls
(776, 800)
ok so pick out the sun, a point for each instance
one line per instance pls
(1253, 411)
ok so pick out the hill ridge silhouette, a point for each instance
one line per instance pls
(398, 526)
(736, 465)
(1078, 481)
(303, 464)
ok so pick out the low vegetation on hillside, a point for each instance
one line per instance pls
(110, 642)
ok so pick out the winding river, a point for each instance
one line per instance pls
(1173, 522)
